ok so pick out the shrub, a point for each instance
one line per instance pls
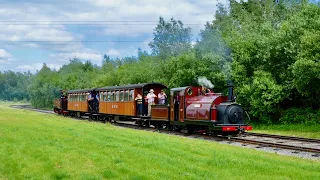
(300, 116)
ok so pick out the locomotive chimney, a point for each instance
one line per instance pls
(230, 91)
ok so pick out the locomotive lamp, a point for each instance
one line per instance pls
(230, 91)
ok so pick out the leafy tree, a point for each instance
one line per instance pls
(170, 38)
(13, 85)
(42, 89)
(273, 41)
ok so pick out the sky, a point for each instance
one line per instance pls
(33, 32)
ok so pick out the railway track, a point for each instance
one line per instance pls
(28, 107)
(279, 141)
(283, 137)
(297, 144)
(283, 145)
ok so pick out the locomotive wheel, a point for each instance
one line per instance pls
(147, 124)
(177, 128)
(190, 129)
(103, 119)
(78, 115)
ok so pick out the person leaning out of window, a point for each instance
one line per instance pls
(162, 97)
(138, 99)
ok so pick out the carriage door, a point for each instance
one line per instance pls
(177, 108)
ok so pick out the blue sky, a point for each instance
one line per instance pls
(34, 32)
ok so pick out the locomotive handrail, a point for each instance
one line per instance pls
(248, 117)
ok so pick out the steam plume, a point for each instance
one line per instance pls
(203, 81)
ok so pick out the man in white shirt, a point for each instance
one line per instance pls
(150, 97)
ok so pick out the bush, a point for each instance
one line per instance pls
(261, 97)
(300, 116)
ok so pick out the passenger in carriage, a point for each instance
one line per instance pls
(89, 97)
(97, 97)
(145, 105)
(96, 102)
(162, 97)
(138, 100)
(151, 97)
(90, 101)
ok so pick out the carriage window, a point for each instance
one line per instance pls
(101, 96)
(108, 96)
(121, 96)
(126, 95)
(131, 95)
(112, 96)
(117, 96)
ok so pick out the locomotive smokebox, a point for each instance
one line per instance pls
(230, 91)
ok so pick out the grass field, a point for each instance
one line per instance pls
(41, 146)
(300, 130)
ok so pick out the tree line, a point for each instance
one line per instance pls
(269, 49)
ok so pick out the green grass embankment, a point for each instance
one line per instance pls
(42, 146)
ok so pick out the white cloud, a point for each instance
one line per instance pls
(37, 66)
(5, 57)
(64, 57)
(192, 14)
(113, 52)
(57, 41)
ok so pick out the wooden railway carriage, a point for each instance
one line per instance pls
(119, 101)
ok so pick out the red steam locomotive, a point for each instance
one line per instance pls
(188, 108)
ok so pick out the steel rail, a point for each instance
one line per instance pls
(269, 144)
(283, 137)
